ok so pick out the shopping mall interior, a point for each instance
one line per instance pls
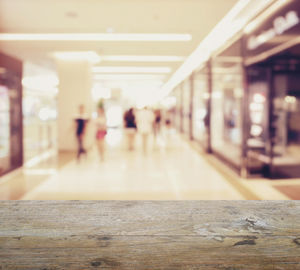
(150, 100)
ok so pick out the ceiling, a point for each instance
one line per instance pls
(195, 17)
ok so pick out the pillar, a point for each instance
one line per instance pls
(75, 82)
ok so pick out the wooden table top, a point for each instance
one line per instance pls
(171, 235)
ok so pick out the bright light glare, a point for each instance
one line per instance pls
(217, 95)
(141, 96)
(290, 99)
(44, 83)
(130, 69)
(114, 137)
(94, 37)
(90, 56)
(99, 92)
(40, 171)
(46, 114)
(256, 130)
(143, 58)
(168, 102)
(37, 159)
(114, 116)
(259, 98)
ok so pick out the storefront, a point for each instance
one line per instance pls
(272, 58)
(201, 106)
(178, 108)
(186, 106)
(246, 101)
(11, 147)
(39, 111)
(226, 117)
(40, 132)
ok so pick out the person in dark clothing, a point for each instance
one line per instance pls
(157, 122)
(81, 123)
(130, 127)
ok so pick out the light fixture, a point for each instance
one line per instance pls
(93, 37)
(143, 58)
(128, 77)
(131, 69)
(90, 56)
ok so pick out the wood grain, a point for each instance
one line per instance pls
(227, 235)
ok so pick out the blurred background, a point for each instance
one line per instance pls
(169, 99)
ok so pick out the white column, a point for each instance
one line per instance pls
(75, 82)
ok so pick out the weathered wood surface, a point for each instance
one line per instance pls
(171, 235)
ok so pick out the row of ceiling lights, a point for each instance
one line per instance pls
(93, 57)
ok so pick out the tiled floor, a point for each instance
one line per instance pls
(171, 170)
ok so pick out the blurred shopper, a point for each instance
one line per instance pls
(101, 131)
(81, 122)
(157, 122)
(145, 119)
(168, 122)
(130, 127)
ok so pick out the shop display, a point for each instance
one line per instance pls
(11, 148)
(186, 106)
(4, 122)
(200, 113)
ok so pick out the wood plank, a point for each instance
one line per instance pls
(150, 235)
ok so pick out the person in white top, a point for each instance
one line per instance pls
(145, 119)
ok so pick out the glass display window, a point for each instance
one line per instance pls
(11, 148)
(39, 120)
(4, 123)
(186, 105)
(200, 114)
(227, 104)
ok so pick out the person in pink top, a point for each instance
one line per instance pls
(101, 131)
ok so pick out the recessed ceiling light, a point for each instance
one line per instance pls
(130, 69)
(143, 58)
(129, 77)
(90, 56)
(94, 37)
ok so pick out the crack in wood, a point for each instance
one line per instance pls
(250, 242)
(105, 262)
(297, 241)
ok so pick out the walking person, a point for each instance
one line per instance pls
(130, 128)
(145, 119)
(101, 131)
(81, 122)
(157, 124)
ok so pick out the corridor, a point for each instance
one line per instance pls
(170, 170)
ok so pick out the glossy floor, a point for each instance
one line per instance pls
(170, 170)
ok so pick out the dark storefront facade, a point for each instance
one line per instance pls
(11, 146)
(272, 60)
(246, 100)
